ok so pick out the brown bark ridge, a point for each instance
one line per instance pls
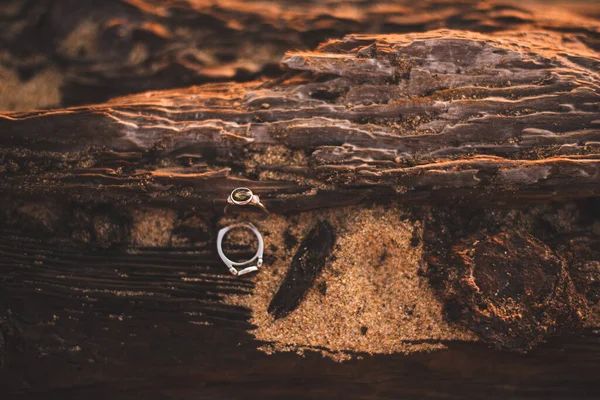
(421, 117)
(71, 52)
(110, 285)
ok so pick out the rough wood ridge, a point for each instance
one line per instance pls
(421, 117)
(65, 52)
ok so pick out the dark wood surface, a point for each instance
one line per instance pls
(73, 52)
(64, 339)
(420, 118)
(105, 207)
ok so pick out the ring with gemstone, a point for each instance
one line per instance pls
(231, 265)
(242, 197)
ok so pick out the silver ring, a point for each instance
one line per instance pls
(243, 196)
(231, 265)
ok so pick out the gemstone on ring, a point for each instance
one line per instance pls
(241, 195)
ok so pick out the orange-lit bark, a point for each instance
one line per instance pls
(66, 52)
(110, 286)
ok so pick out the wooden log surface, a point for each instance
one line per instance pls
(417, 118)
(426, 153)
(71, 52)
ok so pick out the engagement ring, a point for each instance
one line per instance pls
(244, 197)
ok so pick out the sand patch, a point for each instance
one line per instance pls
(370, 297)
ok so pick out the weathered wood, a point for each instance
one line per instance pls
(112, 324)
(513, 275)
(110, 277)
(65, 52)
(478, 119)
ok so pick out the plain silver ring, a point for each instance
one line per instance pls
(231, 265)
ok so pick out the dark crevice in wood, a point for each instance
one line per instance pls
(308, 262)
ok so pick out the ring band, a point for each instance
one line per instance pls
(243, 196)
(231, 265)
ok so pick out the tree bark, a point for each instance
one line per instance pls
(418, 118)
(111, 285)
(72, 52)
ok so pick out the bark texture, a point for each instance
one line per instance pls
(71, 52)
(423, 117)
(492, 141)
